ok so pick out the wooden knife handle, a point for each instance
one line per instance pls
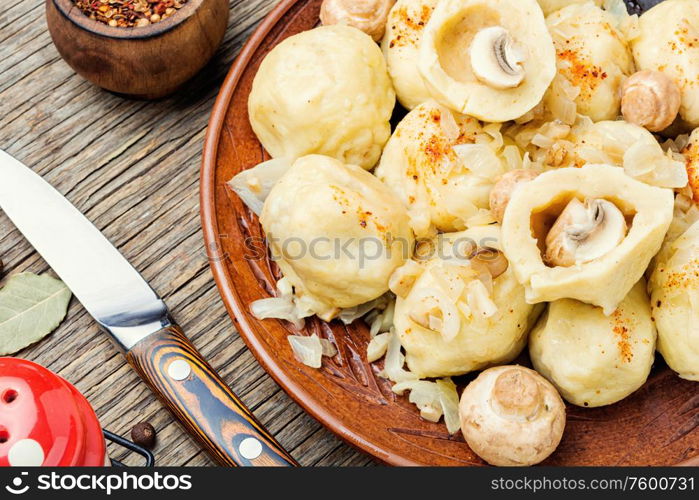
(202, 402)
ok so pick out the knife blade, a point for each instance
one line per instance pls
(137, 320)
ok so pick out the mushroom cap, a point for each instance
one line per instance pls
(650, 99)
(368, 16)
(512, 416)
(504, 187)
(665, 42)
(584, 232)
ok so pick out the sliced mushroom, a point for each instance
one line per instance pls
(489, 260)
(496, 59)
(584, 232)
(650, 99)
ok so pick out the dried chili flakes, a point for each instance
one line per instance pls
(129, 13)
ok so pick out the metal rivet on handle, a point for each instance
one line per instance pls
(250, 448)
(179, 369)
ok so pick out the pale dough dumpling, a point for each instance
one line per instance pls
(324, 91)
(668, 43)
(593, 359)
(641, 213)
(691, 155)
(337, 233)
(549, 6)
(442, 166)
(635, 149)
(592, 56)
(492, 327)
(401, 46)
(674, 287)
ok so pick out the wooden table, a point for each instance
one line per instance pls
(133, 168)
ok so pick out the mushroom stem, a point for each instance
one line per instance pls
(516, 395)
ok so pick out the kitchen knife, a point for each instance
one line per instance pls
(138, 321)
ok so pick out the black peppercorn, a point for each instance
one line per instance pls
(143, 434)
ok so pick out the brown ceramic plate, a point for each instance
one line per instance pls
(655, 426)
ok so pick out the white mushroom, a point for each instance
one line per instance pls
(650, 99)
(584, 232)
(503, 189)
(512, 416)
(496, 59)
(368, 16)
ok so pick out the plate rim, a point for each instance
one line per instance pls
(212, 240)
(223, 280)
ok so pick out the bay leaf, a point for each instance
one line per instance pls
(31, 307)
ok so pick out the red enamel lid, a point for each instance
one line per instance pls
(44, 420)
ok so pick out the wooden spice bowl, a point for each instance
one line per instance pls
(147, 62)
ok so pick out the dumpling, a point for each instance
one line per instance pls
(549, 6)
(667, 42)
(337, 233)
(401, 47)
(674, 287)
(584, 233)
(324, 91)
(592, 56)
(593, 359)
(627, 145)
(442, 167)
(691, 155)
(491, 59)
(448, 320)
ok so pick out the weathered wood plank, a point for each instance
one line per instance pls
(133, 168)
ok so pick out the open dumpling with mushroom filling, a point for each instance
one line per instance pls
(593, 359)
(401, 48)
(668, 41)
(593, 59)
(337, 233)
(492, 59)
(455, 315)
(674, 287)
(634, 148)
(442, 166)
(324, 91)
(584, 233)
